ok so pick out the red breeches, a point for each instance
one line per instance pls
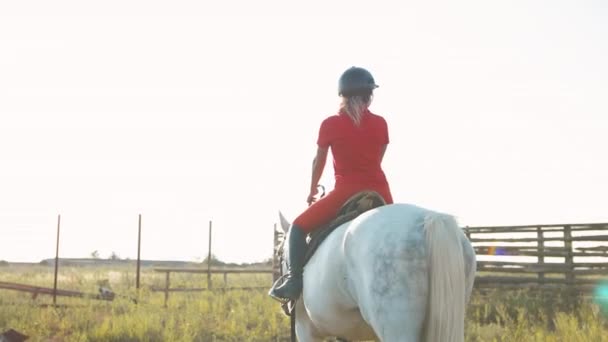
(325, 209)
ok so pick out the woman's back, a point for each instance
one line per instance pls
(357, 149)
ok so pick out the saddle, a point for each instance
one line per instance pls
(353, 207)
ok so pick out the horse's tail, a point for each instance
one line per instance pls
(446, 303)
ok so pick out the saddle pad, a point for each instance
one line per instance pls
(353, 207)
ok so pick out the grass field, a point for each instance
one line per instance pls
(248, 315)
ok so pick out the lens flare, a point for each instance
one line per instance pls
(601, 296)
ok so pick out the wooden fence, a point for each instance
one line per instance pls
(166, 289)
(572, 256)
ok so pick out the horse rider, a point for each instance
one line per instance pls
(358, 139)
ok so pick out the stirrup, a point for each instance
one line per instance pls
(282, 279)
(289, 308)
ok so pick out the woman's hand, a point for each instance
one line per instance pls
(312, 196)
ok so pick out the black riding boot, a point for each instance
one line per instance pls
(292, 288)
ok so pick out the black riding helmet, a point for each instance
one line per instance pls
(356, 81)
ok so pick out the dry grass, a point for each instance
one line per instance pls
(251, 315)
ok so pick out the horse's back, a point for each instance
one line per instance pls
(391, 230)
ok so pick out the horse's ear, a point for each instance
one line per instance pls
(284, 223)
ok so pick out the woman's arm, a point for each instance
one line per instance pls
(318, 165)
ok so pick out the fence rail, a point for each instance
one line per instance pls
(167, 289)
(40, 290)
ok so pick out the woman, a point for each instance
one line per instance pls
(358, 140)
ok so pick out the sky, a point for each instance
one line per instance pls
(191, 112)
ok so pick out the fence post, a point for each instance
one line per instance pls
(276, 272)
(209, 259)
(569, 259)
(541, 254)
(56, 261)
(466, 232)
(138, 253)
(167, 287)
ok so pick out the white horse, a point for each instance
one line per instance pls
(395, 273)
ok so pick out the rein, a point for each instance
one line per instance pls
(292, 321)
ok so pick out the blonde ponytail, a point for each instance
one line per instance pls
(355, 106)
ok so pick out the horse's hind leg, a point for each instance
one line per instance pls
(396, 299)
(400, 324)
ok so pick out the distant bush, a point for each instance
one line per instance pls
(3, 263)
(214, 261)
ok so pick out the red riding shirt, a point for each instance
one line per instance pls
(357, 151)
